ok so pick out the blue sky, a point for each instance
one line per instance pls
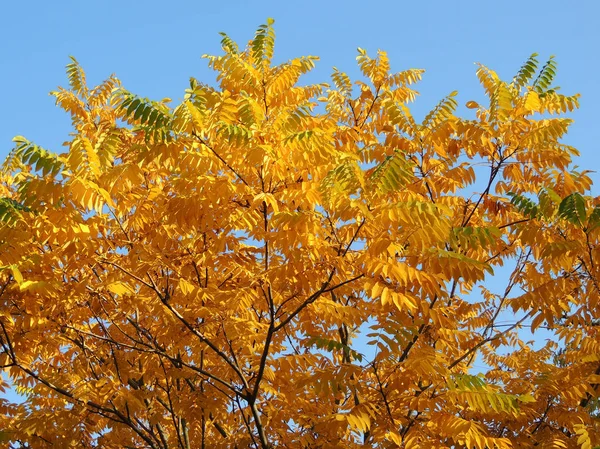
(155, 46)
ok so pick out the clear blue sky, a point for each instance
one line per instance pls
(155, 46)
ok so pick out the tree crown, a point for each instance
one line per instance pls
(210, 274)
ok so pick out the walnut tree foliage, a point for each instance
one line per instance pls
(269, 264)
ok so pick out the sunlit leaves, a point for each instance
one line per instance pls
(272, 264)
(342, 82)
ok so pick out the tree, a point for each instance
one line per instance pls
(274, 265)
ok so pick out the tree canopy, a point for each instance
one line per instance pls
(269, 264)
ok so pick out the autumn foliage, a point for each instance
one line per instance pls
(268, 264)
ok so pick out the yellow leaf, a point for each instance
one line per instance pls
(16, 274)
(526, 398)
(268, 199)
(36, 286)
(377, 289)
(106, 196)
(394, 437)
(120, 288)
(185, 286)
(532, 101)
(385, 294)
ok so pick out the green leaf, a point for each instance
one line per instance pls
(10, 210)
(133, 106)
(441, 112)
(264, 42)
(394, 172)
(332, 345)
(524, 205)
(526, 72)
(27, 153)
(228, 44)
(572, 208)
(76, 77)
(546, 76)
(594, 219)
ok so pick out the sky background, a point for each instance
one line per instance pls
(155, 46)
